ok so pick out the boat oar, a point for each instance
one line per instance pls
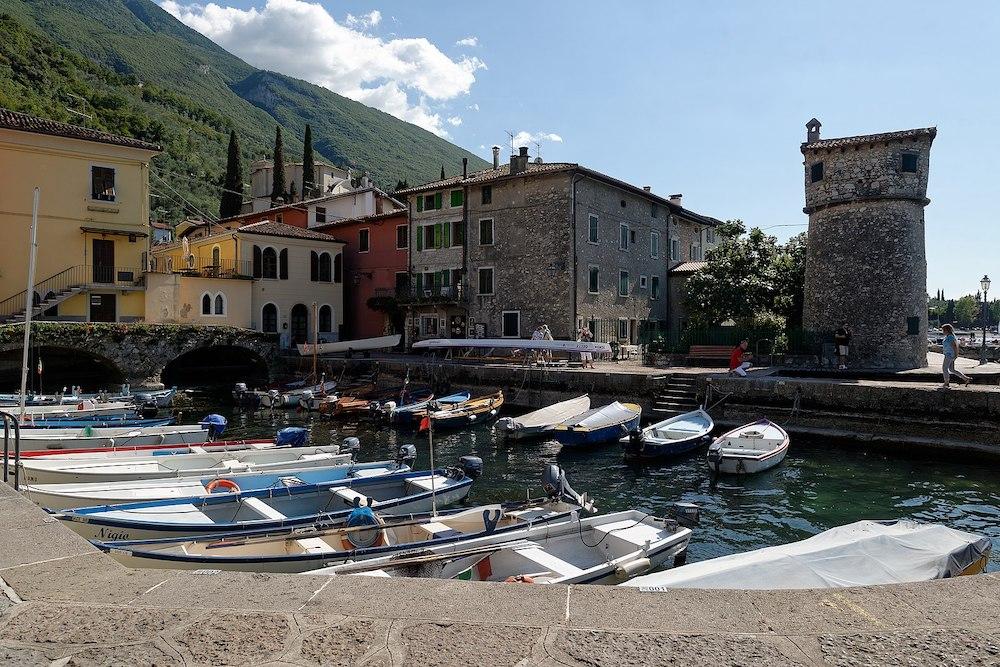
(420, 558)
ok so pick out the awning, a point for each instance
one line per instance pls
(113, 232)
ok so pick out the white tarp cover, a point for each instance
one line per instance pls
(858, 554)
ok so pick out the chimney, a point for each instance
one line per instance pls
(647, 188)
(496, 157)
(465, 168)
(812, 131)
(519, 162)
(676, 199)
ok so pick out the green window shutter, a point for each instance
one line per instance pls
(420, 283)
(420, 203)
(437, 281)
(447, 235)
(437, 200)
(456, 197)
(420, 238)
(437, 235)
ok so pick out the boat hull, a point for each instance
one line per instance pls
(584, 437)
(651, 450)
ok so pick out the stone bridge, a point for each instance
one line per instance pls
(140, 352)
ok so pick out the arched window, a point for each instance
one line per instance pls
(190, 261)
(269, 263)
(324, 267)
(325, 319)
(283, 264)
(170, 263)
(269, 318)
(216, 256)
(257, 261)
(206, 304)
(338, 268)
(314, 266)
(220, 304)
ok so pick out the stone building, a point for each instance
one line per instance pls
(865, 197)
(497, 252)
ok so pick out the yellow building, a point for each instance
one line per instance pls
(264, 276)
(93, 222)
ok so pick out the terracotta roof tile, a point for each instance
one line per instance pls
(688, 267)
(269, 228)
(862, 139)
(363, 218)
(12, 120)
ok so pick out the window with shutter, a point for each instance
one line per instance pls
(437, 235)
(446, 232)
(314, 266)
(437, 200)
(456, 198)
(283, 264)
(102, 183)
(457, 233)
(420, 282)
(420, 238)
(338, 268)
(257, 262)
(324, 267)
(420, 203)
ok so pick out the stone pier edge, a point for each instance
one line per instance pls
(67, 603)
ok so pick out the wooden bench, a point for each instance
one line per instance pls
(713, 353)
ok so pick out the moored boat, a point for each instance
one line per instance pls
(412, 413)
(598, 425)
(539, 423)
(56, 439)
(350, 346)
(670, 437)
(102, 421)
(473, 411)
(749, 449)
(865, 553)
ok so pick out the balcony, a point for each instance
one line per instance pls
(194, 268)
(435, 294)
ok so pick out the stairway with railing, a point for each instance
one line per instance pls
(66, 284)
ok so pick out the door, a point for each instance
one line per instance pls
(104, 261)
(102, 306)
(299, 324)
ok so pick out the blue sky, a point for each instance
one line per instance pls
(706, 99)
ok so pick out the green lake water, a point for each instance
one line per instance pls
(818, 486)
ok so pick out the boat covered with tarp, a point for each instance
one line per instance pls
(539, 423)
(864, 553)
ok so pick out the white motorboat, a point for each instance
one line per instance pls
(163, 398)
(670, 437)
(540, 422)
(85, 408)
(89, 438)
(604, 549)
(864, 553)
(349, 346)
(749, 449)
(513, 344)
(114, 468)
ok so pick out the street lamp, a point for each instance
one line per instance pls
(985, 284)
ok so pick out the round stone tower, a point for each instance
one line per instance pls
(866, 264)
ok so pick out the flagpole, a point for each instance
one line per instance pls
(29, 301)
(430, 441)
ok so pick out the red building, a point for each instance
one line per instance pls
(375, 269)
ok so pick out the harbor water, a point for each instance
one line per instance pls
(817, 487)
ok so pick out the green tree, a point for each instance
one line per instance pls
(401, 185)
(232, 193)
(278, 182)
(949, 313)
(790, 279)
(308, 166)
(442, 173)
(966, 310)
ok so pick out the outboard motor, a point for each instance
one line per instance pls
(216, 425)
(687, 514)
(350, 445)
(472, 466)
(292, 436)
(505, 424)
(273, 398)
(715, 457)
(148, 409)
(557, 487)
(406, 455)
(306, 400)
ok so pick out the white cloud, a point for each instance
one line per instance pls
(369, 20)
(406, 77)
(454, 121)
(473, 107)
(525, 138)
(468, 41)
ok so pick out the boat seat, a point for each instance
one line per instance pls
(371, 472)
(551, 563)
(348, 495)
(194, 449)
(436, 529)
(314, 545)
(262, 508)
(424, 483)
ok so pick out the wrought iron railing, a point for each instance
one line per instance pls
(205, 268)
(428, 293)
(67, 279)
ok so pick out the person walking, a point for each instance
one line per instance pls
(842, 339)
(585, 336)
(547, 335)
(739, 360)
(950, 349)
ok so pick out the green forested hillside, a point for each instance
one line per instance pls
(146, 74)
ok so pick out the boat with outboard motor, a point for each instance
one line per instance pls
(363, 535)
(68, 496)
(864, 553)
(472, 411)
(751, 448)
(604, 549)
(162, 398)
(273, 508)
(540, 423)
(59, 439)
(598, 425)
(670, 437)
(412, 413)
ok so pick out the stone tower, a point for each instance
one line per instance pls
(865, 197)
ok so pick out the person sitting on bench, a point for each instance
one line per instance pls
(739, 360)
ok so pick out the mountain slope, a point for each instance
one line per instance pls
(137, 38)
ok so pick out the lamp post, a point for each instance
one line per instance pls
(985, 284)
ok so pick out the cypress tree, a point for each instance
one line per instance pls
(308, 166)
(232, 195)
(278, 184)
(442, 173)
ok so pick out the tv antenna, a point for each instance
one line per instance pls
(511, 135)
(538, 150)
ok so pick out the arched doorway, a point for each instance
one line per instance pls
(299, 324)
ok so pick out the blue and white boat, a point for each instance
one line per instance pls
(599, 425)
(670, 437)
(99, 422)
(269, 509)
(412, 414)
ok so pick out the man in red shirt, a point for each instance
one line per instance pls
(739, 360)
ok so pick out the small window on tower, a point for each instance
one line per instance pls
(910, 162)
(816, 172)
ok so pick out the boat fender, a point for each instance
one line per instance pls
(632, 568)
(520, 579)
(223, 483)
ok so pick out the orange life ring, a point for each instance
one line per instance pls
(519, 579)
(224, 483)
